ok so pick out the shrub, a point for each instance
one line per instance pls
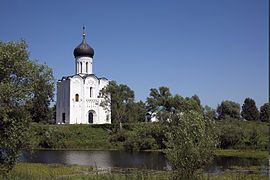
(147, 136)
(236, 134)
(191, 144)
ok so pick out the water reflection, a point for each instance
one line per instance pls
(224, 162)
(105, 159)
(149, 160)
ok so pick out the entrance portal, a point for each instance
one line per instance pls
(90, 118)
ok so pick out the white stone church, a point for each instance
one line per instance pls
(78, 100)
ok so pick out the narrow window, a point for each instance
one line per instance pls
(77, 97)
(81, 66)
(64, 117)
(86, 67)
(90, 91)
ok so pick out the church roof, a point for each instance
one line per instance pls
(83, 77)
(83, 49)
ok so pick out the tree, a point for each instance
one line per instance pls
(43, 94)
(249, 110)
(117, 97)
(159, 98)
(228, 108)
(166, 105)
(264, 113)
(136, 111)
(191, 143)
(209, 113)
(15, 89)
(17, 86)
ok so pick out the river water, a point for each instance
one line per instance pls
(122, 159)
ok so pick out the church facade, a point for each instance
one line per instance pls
(78, 100)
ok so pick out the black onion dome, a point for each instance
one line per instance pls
(83, 50)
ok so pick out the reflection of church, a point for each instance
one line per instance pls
(78, 100)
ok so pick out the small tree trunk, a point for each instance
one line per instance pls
(120, 126)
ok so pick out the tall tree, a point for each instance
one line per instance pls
(117, 97)
(160, 97)
(161, 103)
(249, 110)
(43, 94)
(264, 113)
(17, 87)
(228, 109)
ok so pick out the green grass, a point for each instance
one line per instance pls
(35, 171)
(44, 171)
(243, 153)
(79, 137)
(97, 137)
(229, 175)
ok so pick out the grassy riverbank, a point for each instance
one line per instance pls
(34, 171)
(243, 153)
(80, 137)
(232, 134)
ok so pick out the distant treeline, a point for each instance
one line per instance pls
(125, 109)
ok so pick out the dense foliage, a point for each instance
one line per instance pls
(163, 105)
(120, 98)
(236, 134)
(249, 110)
(264, 113)
(209, 113)
(146, 136)
(19, 79)
(190, 137)
(228, 109)
(191, 143)
(43, 94)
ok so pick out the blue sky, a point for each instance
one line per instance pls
(217, 49)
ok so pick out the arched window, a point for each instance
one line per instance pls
(90, 91)
(86, 67)
(77, 97)
(81, 66)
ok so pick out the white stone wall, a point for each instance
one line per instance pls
(62, 103)
(76, 108)
(78, 112)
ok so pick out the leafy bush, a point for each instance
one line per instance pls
(140, 136)
(136, 142)
(237, 134)
(191, 144)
